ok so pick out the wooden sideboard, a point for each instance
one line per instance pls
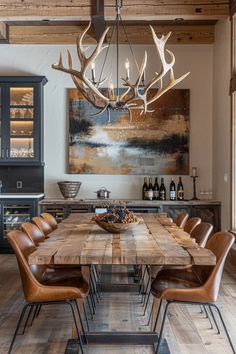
(207, 210)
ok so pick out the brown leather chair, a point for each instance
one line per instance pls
(198, 285)
(49, 218)
(42, 225)
(201, 233)
(191, 224)
(33, 232)
(181, 219)
(41, 289)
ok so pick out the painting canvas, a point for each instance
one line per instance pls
(155, 143)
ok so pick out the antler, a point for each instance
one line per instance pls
(166, 67)
(84, 84)
(136, 96)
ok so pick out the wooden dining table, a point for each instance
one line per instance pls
(80, 241)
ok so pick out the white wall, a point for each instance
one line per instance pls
(221, 120)
(37, 60)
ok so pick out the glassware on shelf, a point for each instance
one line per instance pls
(21, 96)
(206, 194)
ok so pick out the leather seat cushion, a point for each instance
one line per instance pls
(174, 279)
(66, 278)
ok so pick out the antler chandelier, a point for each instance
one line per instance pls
(136, 94)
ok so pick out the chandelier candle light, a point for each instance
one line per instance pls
(136, 95)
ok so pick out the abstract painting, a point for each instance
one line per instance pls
(155, 143)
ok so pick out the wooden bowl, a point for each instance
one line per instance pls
(116, 228)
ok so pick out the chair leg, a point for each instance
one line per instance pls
(142, 280)
(18, 326)
(216, 324)
(96, 281)
(81, 323)
(69, 302)
(150, 315)
(162, 327)
(93, 283)
(145, 309)
(158, 314)
(207, 316)
(27, 319)
(39, 309)
(86, 317)
(222, 321)
(90, 308)
(146, 290)
(92, 297)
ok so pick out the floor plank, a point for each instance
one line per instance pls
(187, 330)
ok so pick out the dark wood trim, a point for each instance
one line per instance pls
(232, 8)
(232, 88)
(98, 19)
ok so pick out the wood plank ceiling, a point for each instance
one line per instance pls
(60, 22)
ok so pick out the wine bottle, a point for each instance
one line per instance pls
(162, 192)
(145, 189)
(156, 190)
(180, 190)
(150, 190)
(172, 190)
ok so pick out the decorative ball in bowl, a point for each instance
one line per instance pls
(69, 189)
(116, 219)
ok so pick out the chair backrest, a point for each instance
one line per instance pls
(49, 218)
(201, 233)
(42, 225)
(33, 232)
(181, 219)
(23, 246)
(220, 244)
(191, 224)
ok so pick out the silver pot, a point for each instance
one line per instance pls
(103, 193)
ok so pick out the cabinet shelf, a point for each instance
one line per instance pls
(22, 136)
(24, 120)
(16, 215)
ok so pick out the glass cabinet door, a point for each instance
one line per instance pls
(22, 123)
(14, 215)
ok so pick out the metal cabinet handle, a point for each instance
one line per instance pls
(3, 153)
(7, 153)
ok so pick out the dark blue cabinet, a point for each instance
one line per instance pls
(21, 120)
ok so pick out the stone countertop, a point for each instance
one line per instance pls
(133, 202)
(21, 195)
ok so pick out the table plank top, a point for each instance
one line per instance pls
(78, 240)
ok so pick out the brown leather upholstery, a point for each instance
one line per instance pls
(42, 225)
(60, 289)
(198, 284)
(201, 233)
(49, 218)
(181, 219)
(33, 232)
(191, 224)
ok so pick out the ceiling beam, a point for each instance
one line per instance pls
(160, 10)
(181, 34)
(98, 19)
(44, 9)
(145, 10)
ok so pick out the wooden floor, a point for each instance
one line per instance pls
(187, 330)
